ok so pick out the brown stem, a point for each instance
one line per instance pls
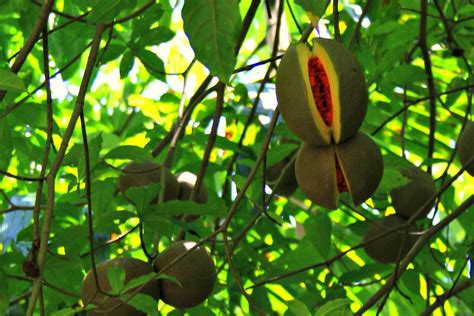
(422, 42)
(50, 179)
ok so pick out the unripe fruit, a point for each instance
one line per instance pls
(196, 272)
(186, 181)
(321, 93)
(134, 268)
(390, 248)
(136, 174)
(408, 199)
(466, 147)
(285, 169)
(354, 166)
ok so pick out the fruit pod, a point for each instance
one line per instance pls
(354, 166)
(186, 181)
(393, 246)
(134, 268)
(406, 200)
(322, 94)
(466, 147)
(283, 174)
(137, 174)
(195, 272)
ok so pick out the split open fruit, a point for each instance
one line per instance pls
(134, 268)
(394, 245)
(136, 174)
(322, 94)
(466, 147)
(195, 272)
(409, 198)
(354, 166)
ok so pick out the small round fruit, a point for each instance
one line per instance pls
(390, 248)
(136, 174)
(466, 147)
(186, 181)
(354, 166)
(322, 94)
(196, 272)
(134, 268)
(408, 199)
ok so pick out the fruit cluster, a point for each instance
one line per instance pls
(385, 243)
(323, 99)
(195, 271)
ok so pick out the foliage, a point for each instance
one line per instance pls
(204, 71)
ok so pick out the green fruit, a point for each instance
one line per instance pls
(466, 147)
(137, 174)
(286, 170)
(388, 248)
(134, 268)
(408, 199)
(196, 273)
(354, 166)
(186, 182)
(321, 93)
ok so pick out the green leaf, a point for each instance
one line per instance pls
(156, 36)
(338, 307)
(112, 52)
(279, 152)
(126, 64)
(4, 301)
(104, 11)
(142, 196)
(213, 27)
(316, 8)
(318, 231)
(392, 177)
(297, 308)
(172, 208)
(133, 283)
(129, 152)
(405, 74)
(6, 143)
(153, 64)
(9, 81)
(116, 277)
(102, 194)
(144, 303)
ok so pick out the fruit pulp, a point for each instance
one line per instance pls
(321, 89)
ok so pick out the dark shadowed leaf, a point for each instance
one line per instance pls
(213, 27)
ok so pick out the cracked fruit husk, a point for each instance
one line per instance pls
(196, 273)
(322, 94)
(137, 174)
(409, 198)
(466, 147)
(354, 166)
(134, 268)
(393, 246)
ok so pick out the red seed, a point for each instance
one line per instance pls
(341, 181)
(319, 82)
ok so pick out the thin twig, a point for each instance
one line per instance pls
(50, 179)
(422, 42)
